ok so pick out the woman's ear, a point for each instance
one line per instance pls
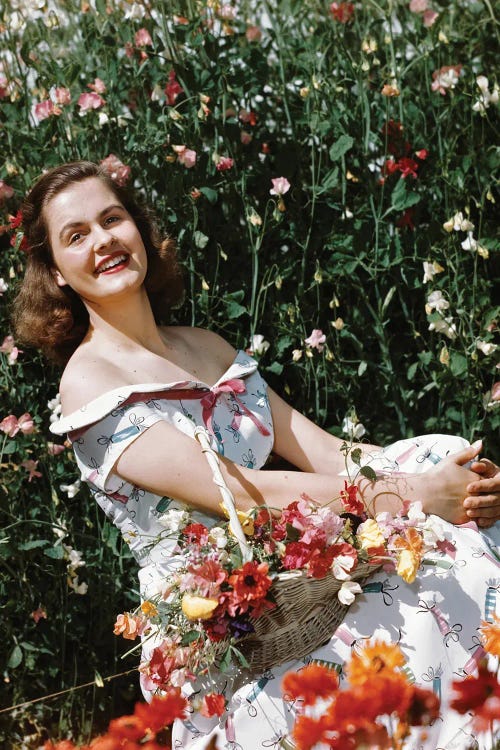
(59, 278)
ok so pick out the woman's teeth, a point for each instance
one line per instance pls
(111, 263)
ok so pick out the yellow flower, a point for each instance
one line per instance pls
(409, 558)
(246, 520)
(148, 609)
(198, 607)
(373, 660)
(370, 535)
(490, 636)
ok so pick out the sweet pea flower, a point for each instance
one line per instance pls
(342, 12)
(316, 340)
(3, 86)
(486, 98)
(62, 95)
(436, 301)
(98, 86)
(45, 109)
(280, 186)
(39, 614)
(185, 156)
(30, 467)
(88, 101)
(458, 224)
(430, 270)
(3, 286)
(258, 344)
(8, 347)
(495, 391)
(6, 191)
(418, 6)
(173, 88)
(9, 425)
(142, 38)
(429, 18)
(253, 34)
(347, 592)
(71, 489)
(446, 78)
(54, 449)
(486, 347)
(354, 429)
(26, 424)
(116, 169)
(444, 325)
(224, 163)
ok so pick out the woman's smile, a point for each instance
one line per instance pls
(113, 263)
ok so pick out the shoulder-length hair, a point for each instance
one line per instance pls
(54, 319)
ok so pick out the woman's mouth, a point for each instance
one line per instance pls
(111, 265)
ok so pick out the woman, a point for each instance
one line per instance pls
(132, 391)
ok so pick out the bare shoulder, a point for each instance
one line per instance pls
(85, 378)
(205, 344)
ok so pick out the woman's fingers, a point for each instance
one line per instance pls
(482, 506)
(485, 485)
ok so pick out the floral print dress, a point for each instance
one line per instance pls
(435, 620)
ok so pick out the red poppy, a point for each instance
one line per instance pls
(162, 710)
(251, 582)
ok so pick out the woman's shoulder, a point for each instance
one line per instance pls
(85, 377)
(203, 343)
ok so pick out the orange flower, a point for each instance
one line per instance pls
(250, 582)
(374, 659)
(312, 682)
(130, 626)
(410, 556)
(490, 636)
(148, 609)
(107, 742)
(162, 710)
(127, 728)
(308, 732)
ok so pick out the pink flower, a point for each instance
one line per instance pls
(26, 424)
(418, 6)
(316, 340)
(30, 467)
(116, 169)
(495, 391)
(62, 96)
(173, 88)
(429, 18)
(39, 614)
(3, 86)
(342, 12)
(142, 38)
(224, 163)
(98, 86)
(253, 34)
(186, 156)
(280, 186)
(422, 154)
(45, 109)
(54, 449)
(88, 101)
(9, 425)
(246, 137)
(8, 348)
(446, 78)
(6, 191)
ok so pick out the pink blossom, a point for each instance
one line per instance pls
(26, 424)
(316, 340)
(224, 163)
(116, 169)
(6, 191)
(227, 12)
(246, 137)
(30, 467)
(342, 12)
(129, 49)
(45, 109)
(186, 156)
(10, 349)
(142, 38)
(88, 101)
(98, 86)
(3, 86)
(280, 186)
(62, 96)
(446, 78)
(173, 88)
(9, 425)
(495, 391)
(54, 449)
(422, 154)
(39, 614)
(253, 34)
(418, 6)
(429, 18)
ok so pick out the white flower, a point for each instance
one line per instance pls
(486, 98)
(486, 347)
(355, 430)
(218, 535)
(296, 355)
(444, 325)
(174, 520)
(341, 566)
(470, 243)
(55, 407)
(436, 301)
(3, 286)
(74, 557)
(258, 344)
(458, 224)
(347, 592)
(135, 12)
(280, 186)
(431, 269)
(433, 531)
(71, 489)
(78, 588)
(103, 119)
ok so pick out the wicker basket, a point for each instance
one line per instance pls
(308, 610)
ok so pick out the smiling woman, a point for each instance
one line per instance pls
(48, 313)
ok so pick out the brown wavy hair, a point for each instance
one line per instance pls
(53, 318)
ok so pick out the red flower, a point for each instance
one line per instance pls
(250, 583)
(342, 12)
(297, 555)
(424, 707)
(16, 221)
(195, 533)
(162, 710)
(224, 163)
(350, 500)
(422, 154)
(407, 167)
(213, 704)
(312, 682)
(406, 219)
(127, 728)
(173, 88)
(308, 732)
(473, 692)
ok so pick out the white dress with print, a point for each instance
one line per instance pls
(434, 620)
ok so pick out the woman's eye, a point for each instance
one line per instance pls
(74, 238)
(111, 219)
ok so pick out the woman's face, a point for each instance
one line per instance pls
(96, 246)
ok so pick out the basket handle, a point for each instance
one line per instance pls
(212, 457)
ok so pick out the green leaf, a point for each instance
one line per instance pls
(226, 660)
(368, 472)
(210, 194)
(190, 637)
(341, 147)
(200, 239)
(56, 553)
(356, 456)
(402, 197)
(275, 367)
(9, 448)
(458, 364)
(33, 544)
(15, 658)
(234, 309)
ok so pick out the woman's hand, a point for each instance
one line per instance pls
(482, 503)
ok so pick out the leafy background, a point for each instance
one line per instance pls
(292, 89)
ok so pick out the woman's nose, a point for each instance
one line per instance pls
(102, 237)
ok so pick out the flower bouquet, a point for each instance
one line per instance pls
(262, 588)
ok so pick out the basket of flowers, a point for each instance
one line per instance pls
(262, 588)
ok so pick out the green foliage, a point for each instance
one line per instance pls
(342, 251)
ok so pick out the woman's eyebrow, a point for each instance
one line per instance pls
(72, 224)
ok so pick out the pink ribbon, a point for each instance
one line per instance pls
(229, 387)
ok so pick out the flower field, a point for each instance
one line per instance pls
(330, 173)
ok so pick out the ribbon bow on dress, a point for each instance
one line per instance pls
(229, 388)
